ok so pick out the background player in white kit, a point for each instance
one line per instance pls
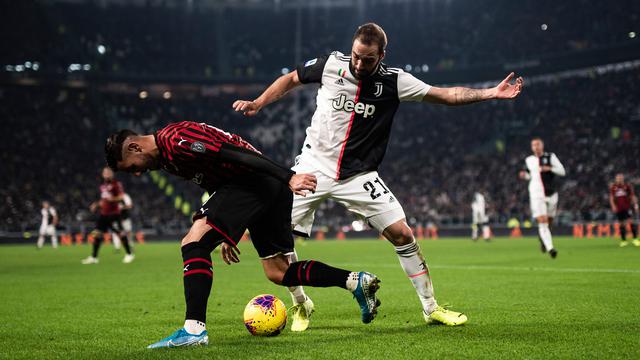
(125, 217)
(48, 225)
(346, 142)
(540, 170)
(479, 218)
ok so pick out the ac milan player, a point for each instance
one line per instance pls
(111, 192)
(347, 139)
(249, 191)
(621, 198)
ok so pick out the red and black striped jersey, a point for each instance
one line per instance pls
(108, 190)
(622, 196)
(190, 150)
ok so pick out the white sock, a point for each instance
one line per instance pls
(194, 327)
(474, 231)
(413, 263)
(352, 281)
(40, 241)
(545, 235)
(297, 292)
(54, 241)
(115, 238)
(486, 232)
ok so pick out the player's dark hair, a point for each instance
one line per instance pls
(371, 33)
(113, 147)
(537, 138)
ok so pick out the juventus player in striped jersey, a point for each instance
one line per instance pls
(540, 170)
(347, 140)
(48, 225)
(249, 191)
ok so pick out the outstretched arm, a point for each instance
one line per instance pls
(461, 95)
(273, 93)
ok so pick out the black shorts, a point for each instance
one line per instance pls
(261, 204)
(624, 215)
(109, 222)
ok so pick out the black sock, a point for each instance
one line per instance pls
(97, 241)
(198, 278)
(623, 232)
(124, 239)
(634, 230)
(315, 273)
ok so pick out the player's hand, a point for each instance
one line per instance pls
(229, 253)
(506, 90)
(545, 168)
(247, 108)
(93, 207)
(523, 174)
(301, 183)
(614, 208)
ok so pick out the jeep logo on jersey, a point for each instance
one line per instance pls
(341, 103)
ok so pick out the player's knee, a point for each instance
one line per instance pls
(197, 231)
(400, 235)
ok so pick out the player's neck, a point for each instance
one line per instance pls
(148, 143)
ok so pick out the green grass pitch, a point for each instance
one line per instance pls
(520, 303)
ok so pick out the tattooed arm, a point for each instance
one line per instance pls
(461, 95)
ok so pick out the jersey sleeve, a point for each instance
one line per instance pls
(53, 211)
(410, 88)
(556, 166)
(255, 161)
(311, 71)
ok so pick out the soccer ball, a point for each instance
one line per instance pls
(265, 315)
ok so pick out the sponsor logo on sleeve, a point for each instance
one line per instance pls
(311, 62)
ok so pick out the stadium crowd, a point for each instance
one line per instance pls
(54, 137)
(209, 42)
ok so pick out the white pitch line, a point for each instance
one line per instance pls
(507, 268)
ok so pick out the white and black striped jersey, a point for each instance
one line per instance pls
(350, 128)
(48, 214)
(541, 184)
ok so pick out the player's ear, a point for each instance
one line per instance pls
(384, 53)
(133, 147)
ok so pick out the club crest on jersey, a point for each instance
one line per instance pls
(197, 146)
(378, 89)
(341, 103)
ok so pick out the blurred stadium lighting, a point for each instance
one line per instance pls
(544, 27)
(166, 95)
(143, 94)
(284, 71)
(408, 67)
(425, 68)
(632, 34)
(101, 49)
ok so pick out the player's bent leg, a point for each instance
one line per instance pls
(362, 285)
(196, 249)
(412, 262)
(545, 235)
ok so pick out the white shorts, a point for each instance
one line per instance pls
(365, 195)
(479, 216)
(48, 230)
(126, 225)
(541, 206)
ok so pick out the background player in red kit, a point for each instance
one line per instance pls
(111, 192)
(249, 191)
(621, 199)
